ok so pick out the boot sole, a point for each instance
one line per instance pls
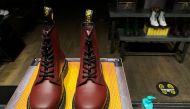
(106, 105)
(63, 99)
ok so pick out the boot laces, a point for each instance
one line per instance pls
(47, 66)
(89, 66)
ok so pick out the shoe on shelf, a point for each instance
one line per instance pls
(153, 19)
(6, 12)
(161, 19)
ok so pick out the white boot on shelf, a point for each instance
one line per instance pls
(161, 19)
(6, 12)
(153, 19)
(1, 12)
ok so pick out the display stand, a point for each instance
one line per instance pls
(119, 39)
(119, 98)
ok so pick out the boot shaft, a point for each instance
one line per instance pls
(51, 54)
(90, 66)
(91, 90)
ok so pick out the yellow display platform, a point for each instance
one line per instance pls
(70, 83)
(156, 32)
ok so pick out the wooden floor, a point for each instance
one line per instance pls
(142, 72)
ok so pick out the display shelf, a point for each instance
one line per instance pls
(118, 13)
(149, 47)
(144, 38)
(178, 51)
(119, 74)
(120, 41)
(116, 35)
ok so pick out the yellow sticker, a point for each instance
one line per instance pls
(167, 89)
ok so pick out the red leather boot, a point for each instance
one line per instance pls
(48, 91)
(91, 90)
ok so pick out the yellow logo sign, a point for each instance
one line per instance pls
(167, 89)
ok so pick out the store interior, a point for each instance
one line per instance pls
(143, 72)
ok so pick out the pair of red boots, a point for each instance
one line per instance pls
(48, 91)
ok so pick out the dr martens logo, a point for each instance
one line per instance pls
(167, 89)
